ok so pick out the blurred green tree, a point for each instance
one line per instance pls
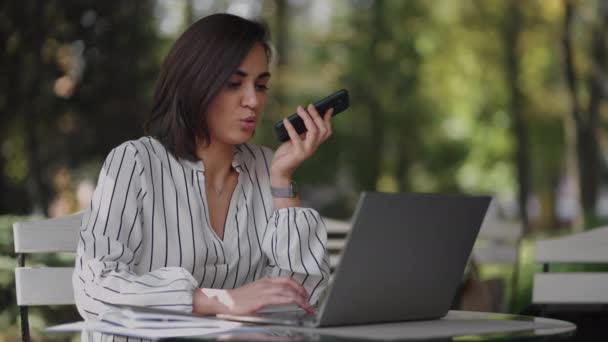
(78, 76)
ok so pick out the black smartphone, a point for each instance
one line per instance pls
(338, 101)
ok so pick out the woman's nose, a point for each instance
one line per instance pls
(250, 97)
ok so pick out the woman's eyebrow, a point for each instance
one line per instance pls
(241, 73)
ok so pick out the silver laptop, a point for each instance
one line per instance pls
(403, 260)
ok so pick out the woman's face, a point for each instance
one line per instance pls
(232, 115)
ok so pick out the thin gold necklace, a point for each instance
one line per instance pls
(220, 190)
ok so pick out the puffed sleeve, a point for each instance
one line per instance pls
(111, 243)
(295, 244)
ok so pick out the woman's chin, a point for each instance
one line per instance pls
(241, 138)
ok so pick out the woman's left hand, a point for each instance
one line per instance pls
(288, 157)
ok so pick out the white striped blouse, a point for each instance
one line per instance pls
(146, 238)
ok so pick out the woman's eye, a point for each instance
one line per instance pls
(233, 84)
(262, 87)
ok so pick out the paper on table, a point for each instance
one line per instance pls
(152, 323)
(153, 334)
(128, 319)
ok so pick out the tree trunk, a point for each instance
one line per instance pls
(519, 125)
(282, 31)
(573, 121)
(588, 149)
(376, 139)
(30, 99)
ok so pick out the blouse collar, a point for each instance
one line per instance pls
(237, 160)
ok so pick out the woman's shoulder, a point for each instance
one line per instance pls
(141, 150)
(145, 147)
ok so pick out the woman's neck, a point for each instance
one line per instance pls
(217, 159)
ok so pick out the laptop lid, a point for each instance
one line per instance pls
(404, 257)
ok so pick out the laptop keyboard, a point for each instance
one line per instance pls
(296, 315)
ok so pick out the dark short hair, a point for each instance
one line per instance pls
(197, 67)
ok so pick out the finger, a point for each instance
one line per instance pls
(287, 281)
(292, 284)
(291, 300)
(311, 127)
(293, 135)
(284, 290)
(314, 114)
(327, 122)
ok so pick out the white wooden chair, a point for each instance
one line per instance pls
(498, 242)
(337, 232)
(572, 290)
(44, 285)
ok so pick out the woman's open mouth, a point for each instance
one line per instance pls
(248, 123)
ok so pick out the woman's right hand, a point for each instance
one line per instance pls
(251, 297)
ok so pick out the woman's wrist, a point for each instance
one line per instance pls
(280, 181)
(207, 302)
(280, 178)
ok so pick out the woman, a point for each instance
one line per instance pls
(192, 217)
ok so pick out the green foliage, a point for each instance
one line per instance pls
(77, 81)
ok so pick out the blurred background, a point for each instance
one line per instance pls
(497, 97)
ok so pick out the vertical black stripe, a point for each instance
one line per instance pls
(135, 251)
(304, 281)
(179, 236)
(122, 251)
(272, 251)
(84, 242)
(265, 161)
(162, 191)
(272, 246)
(314, 218)
(227, 266)
(103, 184)
(153, 208)
(300, 247)
(253, 213)
(257, 182)
(289, 241)
(276, 233)
(308, 244)
(215, 264)
(105, 228)
(94, 242)
(84, 226)
(316, 261)
(223, 253)
(202, 195)
(238, 244)
(124, 206)
(204, 265)
(132, 226)
(191, 222)
(152, 145)
(248, 239)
